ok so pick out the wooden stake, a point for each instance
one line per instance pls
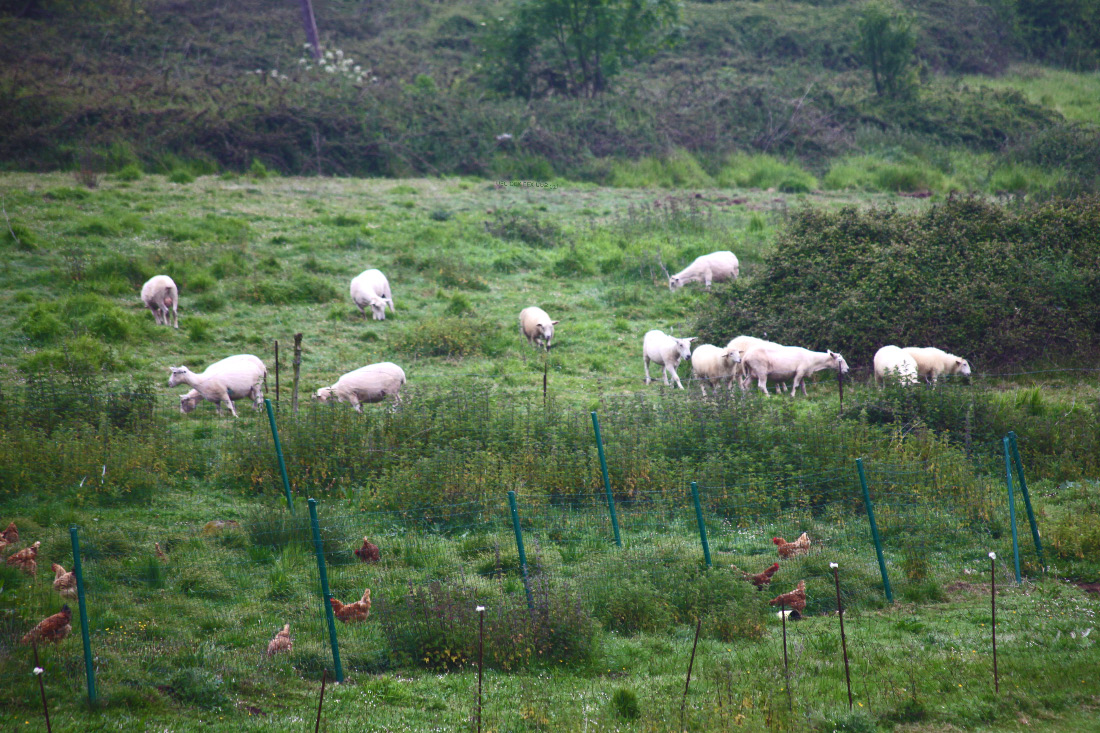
(786, 669)
(41, 687)
(480, 659)
(683, 704)
(276, 371)
(324, 678)
(993, 609)
(297, 367)
(843, 640)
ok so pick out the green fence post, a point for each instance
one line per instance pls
(326, 596)
(1027, 499)
(279, 454)
(89, 669)
(519, 547)
(1012, 510)
(699, 519)
(874, 531)
(607, 482)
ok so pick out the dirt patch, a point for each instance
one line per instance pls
(961, 587)
(1089, 587)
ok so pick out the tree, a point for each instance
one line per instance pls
(886, 45)
(576, 46)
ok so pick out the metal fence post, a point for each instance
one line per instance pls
(89, 669)
(326, 596)
(1012, 510)
(606, 482)
(1027, 499)
(279, 454)
(699, 519)
(874, 531)
(519, 547)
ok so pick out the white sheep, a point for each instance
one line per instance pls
(933, 363)
(668, 351)
(372, 383)
(789, 362)
(160, 295)
(715, 267)
(234, 377)
(535, 324)
(893, 361)
(741, 345)
(713, 365)
(371, 288)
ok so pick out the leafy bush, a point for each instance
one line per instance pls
(765, 171)
(625, 703)
(679, 169)
(301, 287)
(130, 172)
(453, 337)
(180, 175)
(436, 626)
(974, 278)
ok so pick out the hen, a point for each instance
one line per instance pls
(52, 628)
(26, 560)
(64, 583)
(792, 549)
(9, 536)
(795, 600)
(762, 579)
(357, 611)
(369, 552)
(281, 642)
(159, 552)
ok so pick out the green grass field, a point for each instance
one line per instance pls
(179, 644)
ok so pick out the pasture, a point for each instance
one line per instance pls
(91, 436)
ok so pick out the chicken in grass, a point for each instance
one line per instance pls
(9, 536)
(26, 560)
(52, 628)
(159, 552)
(351, 612)
(801, 546)
(794, 600)
(762, 579)
(64, 583)
(281, 642)
(369, 552)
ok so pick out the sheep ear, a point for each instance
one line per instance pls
(554, 323)
(690, 339)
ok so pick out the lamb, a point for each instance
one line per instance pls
(742, 344)
(372, 383)
(715, 267)
(667, 351)
(789, 362)
(160, 295)
(234, 377)
(897, 363)
(371, 287)
(713, 365)
(933, 363)
(535, 324)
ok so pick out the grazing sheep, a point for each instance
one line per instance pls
(713, 365)
(668, 351)
(535, 324)
(742, 344)
(789, 362)
(933, 363)
(371, 287)
(234, 377)
(715, 267)
(160, 295)
(372, 383)
(893, 361)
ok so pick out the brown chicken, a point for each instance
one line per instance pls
(52, 628)
(26, 560)
(159, 552)
(281, 642)
(357, 611)
(369, 552)
(762, 579)
(795, 600)
(792, 549)
(10, 535)
(64, 583)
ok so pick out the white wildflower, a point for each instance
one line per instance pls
(339, 53)
(275, 72)
(302, 61)
(330, 69)
(328, 54)
(358, 68)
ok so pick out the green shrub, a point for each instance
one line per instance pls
(527, 227)
(258, 170)
(95, 315)
(678, 170)
(200, 688)
(453, 337)
(301, 287)
(836, 279)
(458, 305)
(198, 329)
(40, 324)
(18, 235)
(180, 175)
(129, 172)
(453, 272)
(764, 171)
(624, 702)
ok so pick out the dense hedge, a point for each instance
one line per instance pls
(993, 283)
